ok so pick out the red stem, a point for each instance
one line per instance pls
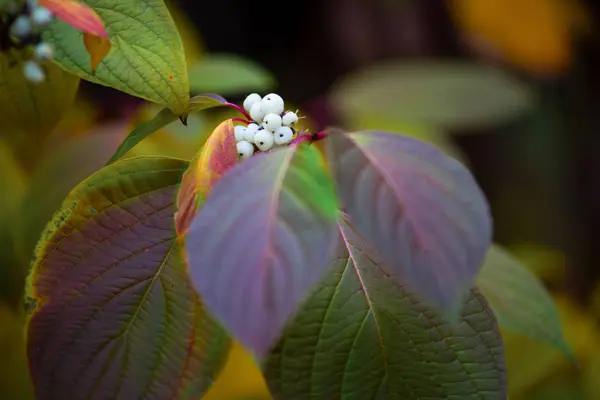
(240, 109)
(309, 137)
(242, 120)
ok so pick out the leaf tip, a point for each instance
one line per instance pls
(183, 118)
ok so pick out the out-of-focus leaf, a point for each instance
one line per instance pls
(60, 171)
(362, 335)
(240, 378)
(114, 313)
(12, 185)
(228, 73)
(192, 41)
(280, 210)
(421, 209)
(32, 110)
(162, 119)
(519, 299)
(146, 58)
(514, 31)
(76, 14)
(14, 376)
(215, 158)
(98, 47)
(438, 94)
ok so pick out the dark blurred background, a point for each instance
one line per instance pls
(510, 87)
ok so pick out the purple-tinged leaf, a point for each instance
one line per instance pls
(113, 311)
(361, 335)
(261, 240)
(421, 209)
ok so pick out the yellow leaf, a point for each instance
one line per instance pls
(14, 376)
(98, 47)
(534, 35)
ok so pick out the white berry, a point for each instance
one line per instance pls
(41, 17)
(256, 112)
(43, 52)
(263, 140)
(283, 135)
(272, 103)
(33, 72)
(244, 149)
(272, 122)
(251, 130)
(240, 133)
(251, 99)
(21, 27)
(289, 119)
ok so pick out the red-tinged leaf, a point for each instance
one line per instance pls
(216, 157)
(114, 314)
(362, 335)
(422, 210)
(77, 14)
(261, 240)
(98, 47)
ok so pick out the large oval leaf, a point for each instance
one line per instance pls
(519, 300)
(420, 208)
(362, 335)
(146, 57)
(440, 94)
(216, 157)
(115, 315)
(31, 110)
(261, 240)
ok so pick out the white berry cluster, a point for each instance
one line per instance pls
(21, 26)
(271, 126)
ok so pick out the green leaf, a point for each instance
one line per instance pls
(447, 95)
(229, 74)
(162, 119)
(146, 57)
(360, 335)
(520, 301)
(114, 313)
(32, 110)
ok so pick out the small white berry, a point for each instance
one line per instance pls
(263, 140)
(251, 130)
(272, 103)
(272, 122)
(283, 135)
(44, 52)
(256, 112)
(244, 149)
(41, 17)
(21, 27)
(33, 72)
(250, 100)
(240, 133)
(289, 119)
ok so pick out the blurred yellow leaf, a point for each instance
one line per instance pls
(534, 35)
(98, 47)
(192, 42)
(12, 184)
(545, 262)
(14, 375)
(240, 378)
(32, 110)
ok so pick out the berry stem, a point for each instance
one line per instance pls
(242, 120)
(309, 137)
(240, 109)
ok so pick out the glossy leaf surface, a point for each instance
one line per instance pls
(216, 157)
(420, 208)
(162, 119)
(76, 14)
(363, 335)
(519, 300)
(261, 240)
(114, 313)
(32, 109)
(146, 57)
